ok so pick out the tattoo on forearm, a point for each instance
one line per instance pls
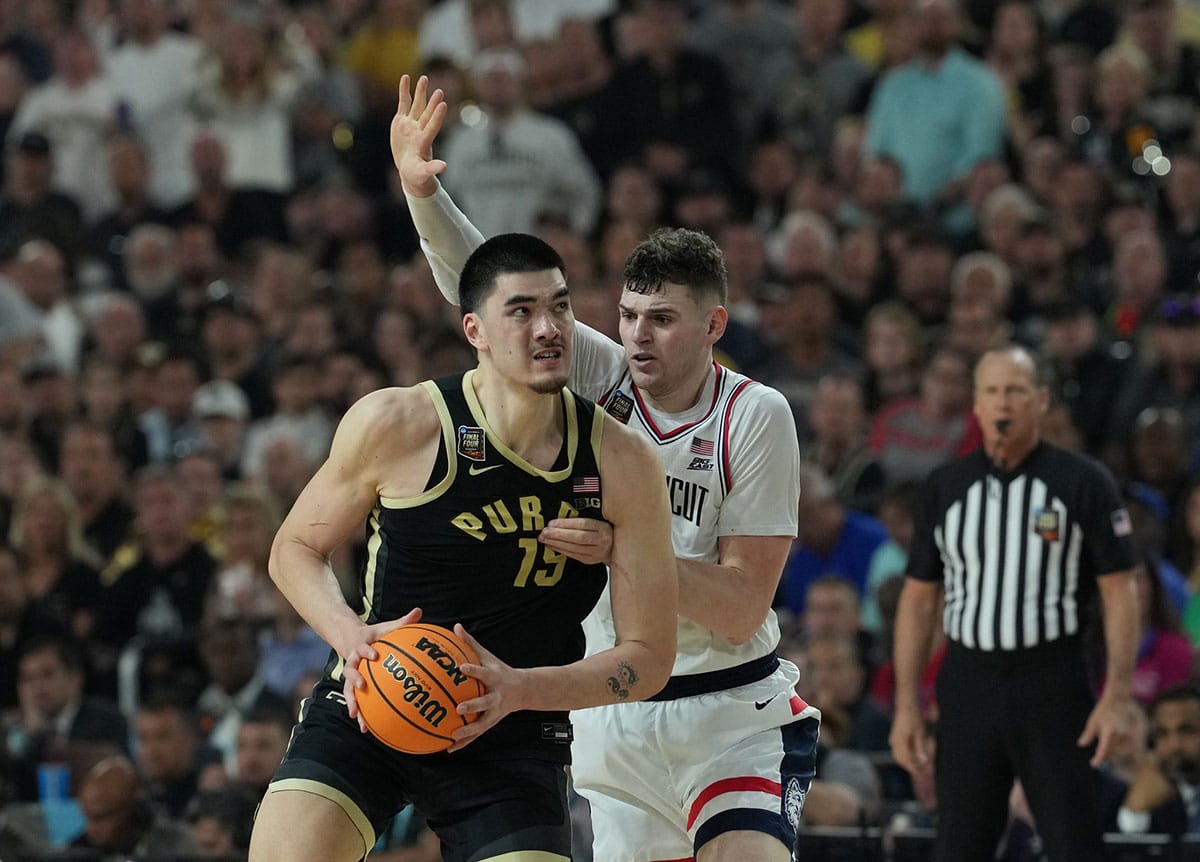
(625, 679)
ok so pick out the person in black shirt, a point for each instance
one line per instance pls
(1021, 536)
(457, 478)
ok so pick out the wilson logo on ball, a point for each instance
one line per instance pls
(430, 710)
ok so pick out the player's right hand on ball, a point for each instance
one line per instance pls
(352, 678)
(502, 692)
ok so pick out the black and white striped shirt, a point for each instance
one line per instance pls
(1019, 553)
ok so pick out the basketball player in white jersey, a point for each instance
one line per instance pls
(716, 767)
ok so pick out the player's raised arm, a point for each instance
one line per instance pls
(447, 235)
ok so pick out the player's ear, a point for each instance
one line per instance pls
(718, 319)
(474, 331)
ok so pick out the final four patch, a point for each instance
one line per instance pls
(620, 407)
(1045, 524)
(472, 443)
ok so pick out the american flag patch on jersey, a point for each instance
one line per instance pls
(590, 485)
(700, 446)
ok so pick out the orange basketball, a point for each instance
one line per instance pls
(414, 687)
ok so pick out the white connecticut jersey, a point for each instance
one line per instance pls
(732, 465)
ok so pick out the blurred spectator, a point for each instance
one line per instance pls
(29, 208)
(199, 474)
(674, 106)
(1159, 458)
(169, 426)
(104, 403)
(1172, 379)
(130, 205)
(232, 339)
(58, 724)
(1162, 793)
(41, 273)
(1005, 213)
(894, 346)
(290, 649)
(1173, 69)
(515, 147)
(1165, 655)
(383, 48)
(167, 752)
(1016, 54)
(223, 411)
(1139, 281)
(832, 609)
(221, 821)
(800, 328)
(246, 526)
(897, 513)
(913, 436)
(51, 403)
(1182, 215)
(244, 95)
(833, 540)
(803, 92)
(76, 110)
(155, 586)
(838, 419)
(91, 468)
(61, 570)
(974, 326)
(154, 72)
(939, 115)
(262, 740)
(298, 417)
(21, 624)
(230, 654)
(747, 37)
(120, 820)
(236, 213)
(924, 264)
(839, 686)
(1085, 374)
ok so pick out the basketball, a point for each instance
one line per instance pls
(414, 686)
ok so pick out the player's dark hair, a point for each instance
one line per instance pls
(502, 255)
(677, 256)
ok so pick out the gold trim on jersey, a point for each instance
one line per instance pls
(443, 412)
(570, 433)
(341, 800)
(374, 543)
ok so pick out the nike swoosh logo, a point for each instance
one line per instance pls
(762, 704)
(475, 470)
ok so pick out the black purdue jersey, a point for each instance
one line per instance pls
(466, 550)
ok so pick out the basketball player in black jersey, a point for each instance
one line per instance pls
(455, 480)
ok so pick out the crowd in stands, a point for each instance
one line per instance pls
(205, 257)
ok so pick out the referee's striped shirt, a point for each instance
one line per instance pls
(1019, 552)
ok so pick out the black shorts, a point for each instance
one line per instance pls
(479, 806)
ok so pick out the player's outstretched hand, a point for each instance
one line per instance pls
(502, 692)
(588, 540)
(419, 117)
(352, 678)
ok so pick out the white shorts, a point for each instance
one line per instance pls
(665, 777)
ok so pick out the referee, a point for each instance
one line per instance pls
(1021, 536)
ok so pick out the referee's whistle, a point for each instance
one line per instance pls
(1002, 425)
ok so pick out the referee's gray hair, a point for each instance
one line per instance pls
(815, 484)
